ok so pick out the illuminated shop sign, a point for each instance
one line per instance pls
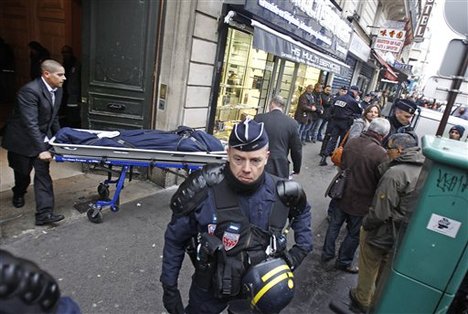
(317, 22)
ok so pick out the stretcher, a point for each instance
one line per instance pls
(120, 161)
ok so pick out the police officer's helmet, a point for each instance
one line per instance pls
(269, 285)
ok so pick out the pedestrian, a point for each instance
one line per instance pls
(395, 190)
(70, 107)
(283, 139)
(365, 101)
(400, 120)
(37, 54)
(33, 122)
(344, 110)
(361, 124)
(461, 113)
(305, 106)
(456, 132)
(327, 101)
(383, 99)
(316, 116)
(361, 158)
(235, 211)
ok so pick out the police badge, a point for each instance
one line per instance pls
(231, 236)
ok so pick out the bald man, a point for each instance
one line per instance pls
(33, 122)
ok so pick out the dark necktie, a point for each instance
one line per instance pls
(52, 92)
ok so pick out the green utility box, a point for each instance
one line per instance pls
(431, 256)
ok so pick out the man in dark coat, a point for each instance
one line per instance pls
(305, 107)
(284, 139)
(33, 122)
(361, 157)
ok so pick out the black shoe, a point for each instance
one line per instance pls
(314, 141)
(18, 201)
(48, 219)
(323, 161)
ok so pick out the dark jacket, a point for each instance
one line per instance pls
(327, 101)
(393, 199)
(33, 118)
(346, 108)
(362, 156)
(283, 139)
(304, 108)
(317, 114)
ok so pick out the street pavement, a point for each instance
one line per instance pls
(114, 267)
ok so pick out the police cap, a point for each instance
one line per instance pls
(248, 135)
(406, 105)
(354, 88)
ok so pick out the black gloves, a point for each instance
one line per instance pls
(25, 288)
(172, 300)
(294, 257)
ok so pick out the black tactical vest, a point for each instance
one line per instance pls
(244, 244)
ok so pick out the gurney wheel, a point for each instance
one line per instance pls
(103, 190)
(94, 215)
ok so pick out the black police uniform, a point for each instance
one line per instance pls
(344, 110)
(395, 125)
(233, 227)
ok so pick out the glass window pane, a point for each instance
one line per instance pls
(305, 76)
(245, 75)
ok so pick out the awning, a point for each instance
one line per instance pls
(389, 73)
(269, 40)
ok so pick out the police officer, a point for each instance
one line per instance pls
(344, 110)
(400, 120)
(229, 217)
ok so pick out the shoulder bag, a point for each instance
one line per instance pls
(338, 152)
(337, 186)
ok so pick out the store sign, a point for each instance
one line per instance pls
(403, 67)
(391, 33)
(317, 22)
(423, 21)
(359, 48)
(391, 45)
(286, 48)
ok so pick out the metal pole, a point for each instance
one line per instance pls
(453, 93)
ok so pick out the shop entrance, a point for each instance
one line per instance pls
(284, 76)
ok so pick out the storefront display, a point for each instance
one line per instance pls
(252, 76)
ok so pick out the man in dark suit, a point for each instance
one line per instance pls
(284, 138)
(33, 122)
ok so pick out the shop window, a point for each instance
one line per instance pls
(305, 76)
(244, 81)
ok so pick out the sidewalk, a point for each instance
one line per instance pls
(114, 267)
